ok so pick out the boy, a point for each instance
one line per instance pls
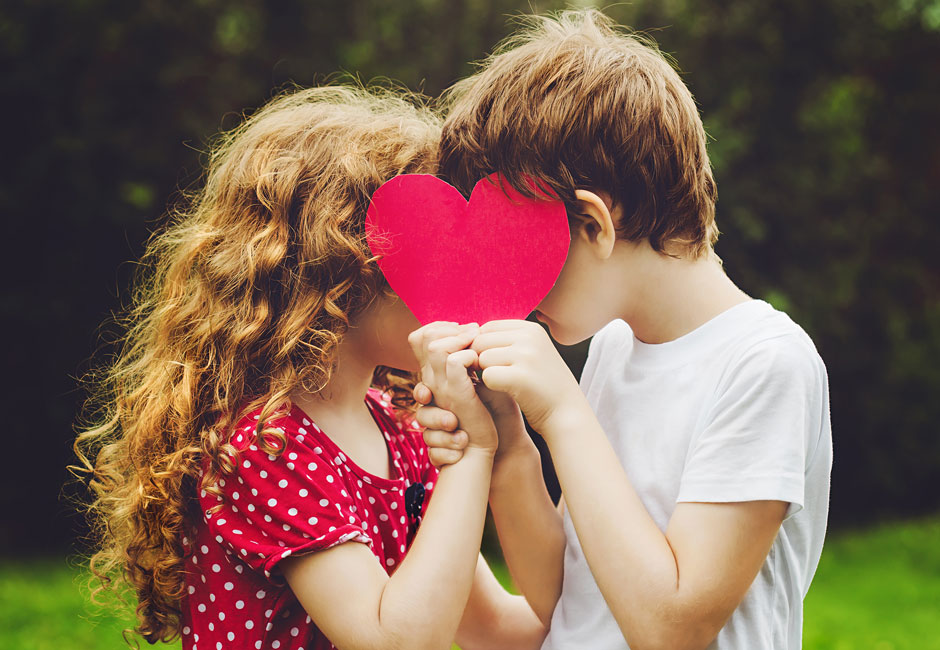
(695, 464)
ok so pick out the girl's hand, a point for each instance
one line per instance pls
(446, 442)
(444, 358)
(518, 358)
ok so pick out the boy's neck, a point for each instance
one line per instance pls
(671, 297)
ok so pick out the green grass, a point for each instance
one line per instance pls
(875, 590)
(44, 605)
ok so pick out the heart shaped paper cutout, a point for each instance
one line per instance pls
(491, 258)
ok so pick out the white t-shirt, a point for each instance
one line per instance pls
(737, 410)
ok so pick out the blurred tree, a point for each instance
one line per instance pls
(826, 149)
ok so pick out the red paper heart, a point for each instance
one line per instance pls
(492, 258)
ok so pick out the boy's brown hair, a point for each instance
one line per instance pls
(574, 101)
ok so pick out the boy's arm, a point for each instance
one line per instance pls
(530, 531)
(495, 619)
(522, 508)
(672, 590)
(666, 590)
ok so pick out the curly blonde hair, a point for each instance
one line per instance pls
(243, 299)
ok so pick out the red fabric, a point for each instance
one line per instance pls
(309, 498)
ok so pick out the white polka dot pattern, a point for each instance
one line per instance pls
(309, 498)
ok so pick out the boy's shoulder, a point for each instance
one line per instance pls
(749, 336)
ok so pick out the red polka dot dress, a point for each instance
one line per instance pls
(309, 498)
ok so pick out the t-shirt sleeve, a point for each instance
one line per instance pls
(761, 430)
(288, 504)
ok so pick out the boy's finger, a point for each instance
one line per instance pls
(496, 357)
(500, 378)
(432, 417)
(503, 325)
(484, 341)
(437, 439)
(488, 394)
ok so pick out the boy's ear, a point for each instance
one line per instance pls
(596, 225)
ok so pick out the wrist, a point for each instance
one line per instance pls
(476, 464)
(567, 417)
(483, 455)
(502, 408)
(510, 464)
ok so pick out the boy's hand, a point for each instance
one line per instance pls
(444, 358)
(446, 442)
(518, 358)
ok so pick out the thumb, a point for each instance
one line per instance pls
(500, 378)
(422, 394)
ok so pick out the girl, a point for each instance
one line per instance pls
(256, 478)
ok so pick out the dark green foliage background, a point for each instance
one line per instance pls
(825, 140)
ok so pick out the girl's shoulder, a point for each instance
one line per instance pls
(294, 424)
(284, 422)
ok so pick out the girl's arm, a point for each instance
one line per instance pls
(521, 506)
(420, 605)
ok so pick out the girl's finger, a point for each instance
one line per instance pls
(432, 417)
(440, 457)
(452, 342)
(422, 394)
(432, 330)
(439, 350)
(421, 337)
(458, 363)
(437, 439)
